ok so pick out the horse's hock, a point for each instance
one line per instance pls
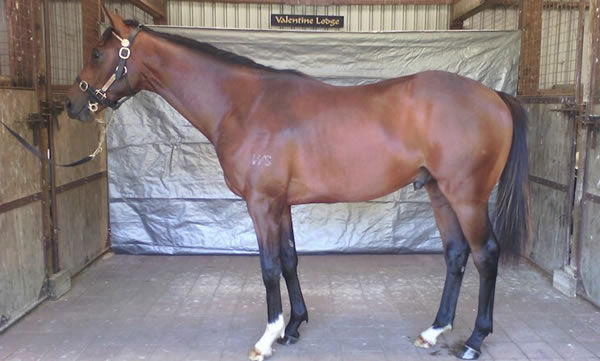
(131, 237)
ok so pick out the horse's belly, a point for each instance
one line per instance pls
(352, 182)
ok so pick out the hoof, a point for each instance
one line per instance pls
(421, 342)
(468, 353)
(256, 355)
(287, 340)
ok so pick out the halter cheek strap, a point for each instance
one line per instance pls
(98, 96)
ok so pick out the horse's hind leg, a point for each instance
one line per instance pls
(477, 228)
(289, 264)
(456, 253)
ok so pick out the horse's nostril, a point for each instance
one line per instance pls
(68, 104)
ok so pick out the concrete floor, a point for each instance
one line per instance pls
(361, 307)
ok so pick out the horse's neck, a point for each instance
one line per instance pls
(191, 82)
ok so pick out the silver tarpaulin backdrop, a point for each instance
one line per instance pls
(167, 193)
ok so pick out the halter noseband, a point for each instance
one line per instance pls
(99, 95)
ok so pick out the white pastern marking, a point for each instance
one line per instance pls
(262, 160)
(431, 334)
(273, 331)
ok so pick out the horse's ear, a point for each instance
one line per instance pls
(116, 22)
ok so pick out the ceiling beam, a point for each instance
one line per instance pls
(156, 8)
(464, 9)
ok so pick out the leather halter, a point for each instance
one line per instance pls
(98, 96)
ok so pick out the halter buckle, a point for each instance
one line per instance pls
(124, 53)
(100, 93)
(93, 107)
(124, 69)
(83, 85)
(125, 43)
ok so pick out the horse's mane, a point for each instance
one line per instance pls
(205, 48)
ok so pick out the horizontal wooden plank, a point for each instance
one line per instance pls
(18, 203)
(591, 197)
(549, 183)
(79, 182)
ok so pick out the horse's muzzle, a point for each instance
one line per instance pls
(81, 113)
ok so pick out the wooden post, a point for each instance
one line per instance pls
(531, 41)
(90, 14)
(586, 134)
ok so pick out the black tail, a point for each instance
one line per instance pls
(511, 225)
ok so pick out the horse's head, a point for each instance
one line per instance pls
(108, 75)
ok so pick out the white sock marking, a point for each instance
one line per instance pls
(431, 334)
(273, 331)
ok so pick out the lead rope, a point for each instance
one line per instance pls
(37, 154)
(99, 148)
(106, 125)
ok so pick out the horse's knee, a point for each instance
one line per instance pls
(486, 258)
(271, 272)
(289, 263)
(456, 257)
(289, 270)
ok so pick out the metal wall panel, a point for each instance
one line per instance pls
(358, 18)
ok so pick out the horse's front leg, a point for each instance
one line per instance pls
(266, 215)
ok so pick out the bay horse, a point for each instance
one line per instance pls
(284, 138)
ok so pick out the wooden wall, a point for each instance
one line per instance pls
(22, 267)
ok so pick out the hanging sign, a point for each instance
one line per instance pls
(308, 21)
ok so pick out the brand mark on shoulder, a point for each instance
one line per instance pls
(262, 160)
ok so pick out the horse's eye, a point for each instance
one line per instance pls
(95, 54)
